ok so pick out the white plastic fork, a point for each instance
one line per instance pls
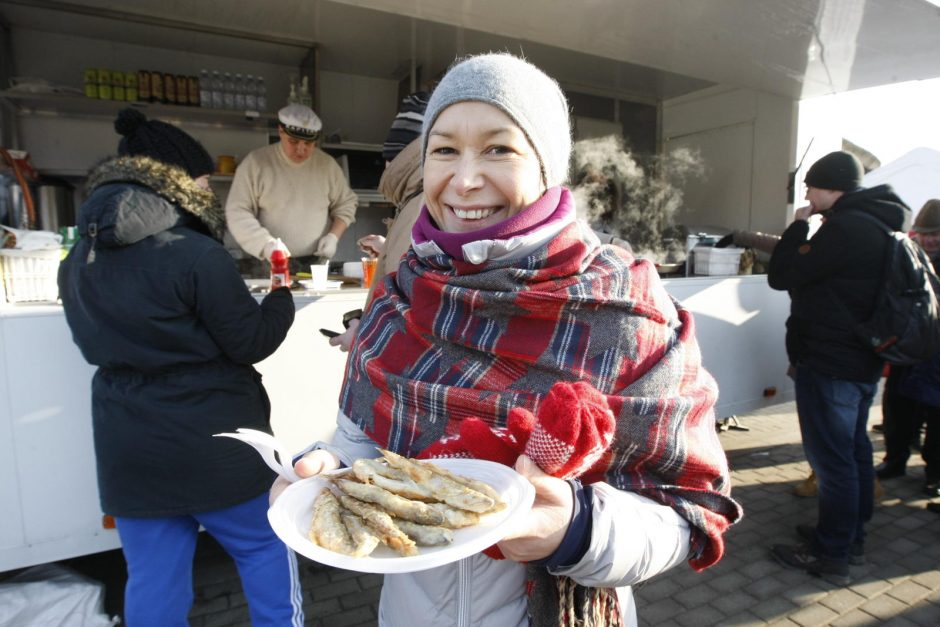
(267, 445)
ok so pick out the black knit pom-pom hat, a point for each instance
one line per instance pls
(162, 142)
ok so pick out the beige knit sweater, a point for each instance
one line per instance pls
(273, 197)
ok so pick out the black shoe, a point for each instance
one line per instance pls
(801, 557)
(856, 550)
(932, 487)
(934, 507)
(889, 470)
(878, 428)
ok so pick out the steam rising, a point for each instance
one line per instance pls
(615, 195)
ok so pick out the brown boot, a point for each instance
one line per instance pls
(807, 487)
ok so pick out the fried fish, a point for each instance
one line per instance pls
(425, 535)
(442, 487)
(415, 511)
(327, 528)
(382, 524)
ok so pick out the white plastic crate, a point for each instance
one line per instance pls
(29, 275)
(716, 261)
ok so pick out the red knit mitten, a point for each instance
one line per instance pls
(574, 428)
(450, 447)
(478, 440)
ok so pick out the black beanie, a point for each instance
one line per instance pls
(162, 142)
(406, 127)
(839, 170)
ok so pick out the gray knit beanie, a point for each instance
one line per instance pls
(532, 99)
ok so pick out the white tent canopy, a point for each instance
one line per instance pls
(915, 177)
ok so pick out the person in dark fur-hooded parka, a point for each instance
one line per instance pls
(155, 301)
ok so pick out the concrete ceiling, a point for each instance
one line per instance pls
(649, 50)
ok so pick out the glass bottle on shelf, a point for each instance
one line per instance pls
(251, 95)
(117, 85)
(131, 93)
(156, 87)
(182, 90)
(239, 92)
(205, 89)
(262, 94)
(143, 85)
(169, 88)
(292, 96)
(192, 89)
(304, 98)
(218, 102)
(228, 91)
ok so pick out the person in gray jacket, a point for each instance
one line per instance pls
(508, 311)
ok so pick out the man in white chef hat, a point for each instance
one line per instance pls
(293, 191)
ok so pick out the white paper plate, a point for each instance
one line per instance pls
(329, 285)
(291, 514)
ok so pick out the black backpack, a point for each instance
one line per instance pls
(904, 328)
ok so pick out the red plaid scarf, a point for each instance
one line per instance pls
(444, 340)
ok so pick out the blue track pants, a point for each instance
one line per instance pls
(159, 554)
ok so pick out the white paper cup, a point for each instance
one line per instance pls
(352, 269)
(318, 276)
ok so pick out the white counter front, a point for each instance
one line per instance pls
(740, 325)
(47, 463)
(47, 468)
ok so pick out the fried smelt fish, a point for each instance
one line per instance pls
(382, 524)
(413, 470)
(391, 479)
(425, 535)
(414, 511)
(455, 518)
(327, 528)
(473, 484)
(361, 536)
(443, 488)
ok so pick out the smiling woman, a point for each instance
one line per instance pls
(509, 333)
(479, 168)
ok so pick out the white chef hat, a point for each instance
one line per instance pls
(299, 121)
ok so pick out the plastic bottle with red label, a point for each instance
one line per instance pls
(280, 269)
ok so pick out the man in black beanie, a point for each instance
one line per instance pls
(833, 278)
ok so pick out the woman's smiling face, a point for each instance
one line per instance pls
(479, 168)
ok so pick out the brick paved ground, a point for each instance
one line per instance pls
(899, 586)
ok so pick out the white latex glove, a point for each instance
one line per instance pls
(269, 248)
(371, 244)
(326, 246)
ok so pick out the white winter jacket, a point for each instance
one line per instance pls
(647, 539)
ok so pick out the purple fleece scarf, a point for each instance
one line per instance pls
(554, 205)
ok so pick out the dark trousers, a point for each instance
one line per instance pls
(833, 416)
(903, 418)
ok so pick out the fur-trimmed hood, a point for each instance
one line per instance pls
(135, 197)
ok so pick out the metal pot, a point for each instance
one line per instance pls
(56, 206)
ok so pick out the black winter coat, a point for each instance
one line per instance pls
(833, 278)
(158, 305)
